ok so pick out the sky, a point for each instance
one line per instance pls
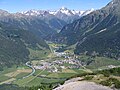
(23, 5)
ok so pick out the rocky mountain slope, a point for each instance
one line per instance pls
(96, 32)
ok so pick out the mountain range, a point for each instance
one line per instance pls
(42, 22)
(92, 31)
(20, 31)
(63, 13)
(97, 32)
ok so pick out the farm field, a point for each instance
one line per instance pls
(46, 78)
(53, 69)
(11, 74)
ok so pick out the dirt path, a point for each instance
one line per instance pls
(8, 81)
(17, 72)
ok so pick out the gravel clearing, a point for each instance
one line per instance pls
(82, 85)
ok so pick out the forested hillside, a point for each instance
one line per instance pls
(96, 32)
(14, 44)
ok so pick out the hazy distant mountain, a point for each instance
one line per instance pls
(98, 32)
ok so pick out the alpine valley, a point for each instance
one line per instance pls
(60, 49)
(29, 29)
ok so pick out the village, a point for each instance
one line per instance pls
(67, 62)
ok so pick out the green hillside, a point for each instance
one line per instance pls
(14, 46)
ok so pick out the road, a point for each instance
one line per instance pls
(33, 69)
(8, 81)
(33, 77)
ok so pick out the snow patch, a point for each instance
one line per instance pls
(101, 31)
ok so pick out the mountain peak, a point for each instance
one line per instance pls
(115, 0)
(63, 8)
(92, 9)
(113, 7)
(3, 11)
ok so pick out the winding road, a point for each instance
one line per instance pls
(33, 69)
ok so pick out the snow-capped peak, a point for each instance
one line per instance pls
(62, 10)
(69, 12)
(65, 10)
(35, 12)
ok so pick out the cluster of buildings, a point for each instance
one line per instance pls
(61, 64)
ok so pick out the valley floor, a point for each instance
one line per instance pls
(54, 68)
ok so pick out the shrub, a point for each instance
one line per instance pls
(88, 78)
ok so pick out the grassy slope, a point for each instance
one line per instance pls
(99, 62)
(38, 54)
